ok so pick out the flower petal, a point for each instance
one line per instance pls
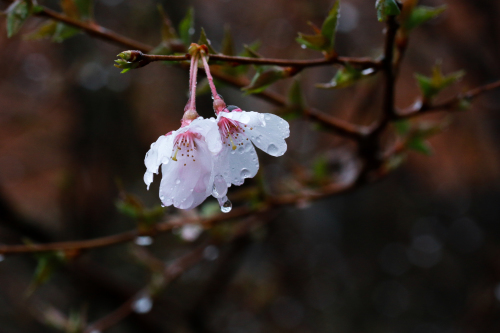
(186, 181)
(240, 163)
(249, 118)
(209, 130)
(271, 137)
(159, 153)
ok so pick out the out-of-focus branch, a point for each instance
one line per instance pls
(119, 238)
(453, 103)
(171, 272)
(94, 29)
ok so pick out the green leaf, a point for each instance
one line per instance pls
(295, 95)
(320, 169)
(63, 32)
(47, 264)
(85, 7)
(345, 77)
(315, 42)
(420, 145)
(422, 14)
(402, 126)
(227, 42)
(296, 102)
(330, 24)
(46, 30)
(125, 65)
(431, 86)
(251, 50)
(17, 13)
(168, 32)
(264, 78)
(205, 41)
(386, 8)
(186, 27)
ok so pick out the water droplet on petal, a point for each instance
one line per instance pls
(267, 118)
(225, 204)
(177, 181)
(211, 252)
(143, 240)
(272, 149)
(245, 173)
(143, 304)
(259, 138)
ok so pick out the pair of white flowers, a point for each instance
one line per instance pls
(205, 156)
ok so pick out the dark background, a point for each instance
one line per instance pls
(417, 252)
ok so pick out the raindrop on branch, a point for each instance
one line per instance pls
(143, 304)
(144, 240)
(211, 252)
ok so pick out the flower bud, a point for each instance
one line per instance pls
(219, 104)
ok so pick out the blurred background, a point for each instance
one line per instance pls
(418, 252)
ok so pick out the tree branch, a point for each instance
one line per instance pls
(420, 108)
(299, 64)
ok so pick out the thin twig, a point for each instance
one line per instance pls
(236, 61)
(341, 127)
(171, 272)
(452, 103)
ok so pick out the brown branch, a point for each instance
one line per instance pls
(171, 272)
(420, 108)
(118, 238)
(341, 127)
(95, 30)
(236, 61)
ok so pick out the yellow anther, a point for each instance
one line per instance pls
(232, 142)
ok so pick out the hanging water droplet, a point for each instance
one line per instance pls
(245, 173)
(303, 46)
(143, 240)
(272, 149)
(220, 187)
(191, 31)
(177, 181)
(143, 304)
(95, 331)
(162, 205)
(211, 252)
(225, 204)
(2, 257)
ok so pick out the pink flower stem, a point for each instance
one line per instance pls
(219, 104)
(193, 71)
(209, 76)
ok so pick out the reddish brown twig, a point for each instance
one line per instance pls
(452, 103)
(236, 61)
